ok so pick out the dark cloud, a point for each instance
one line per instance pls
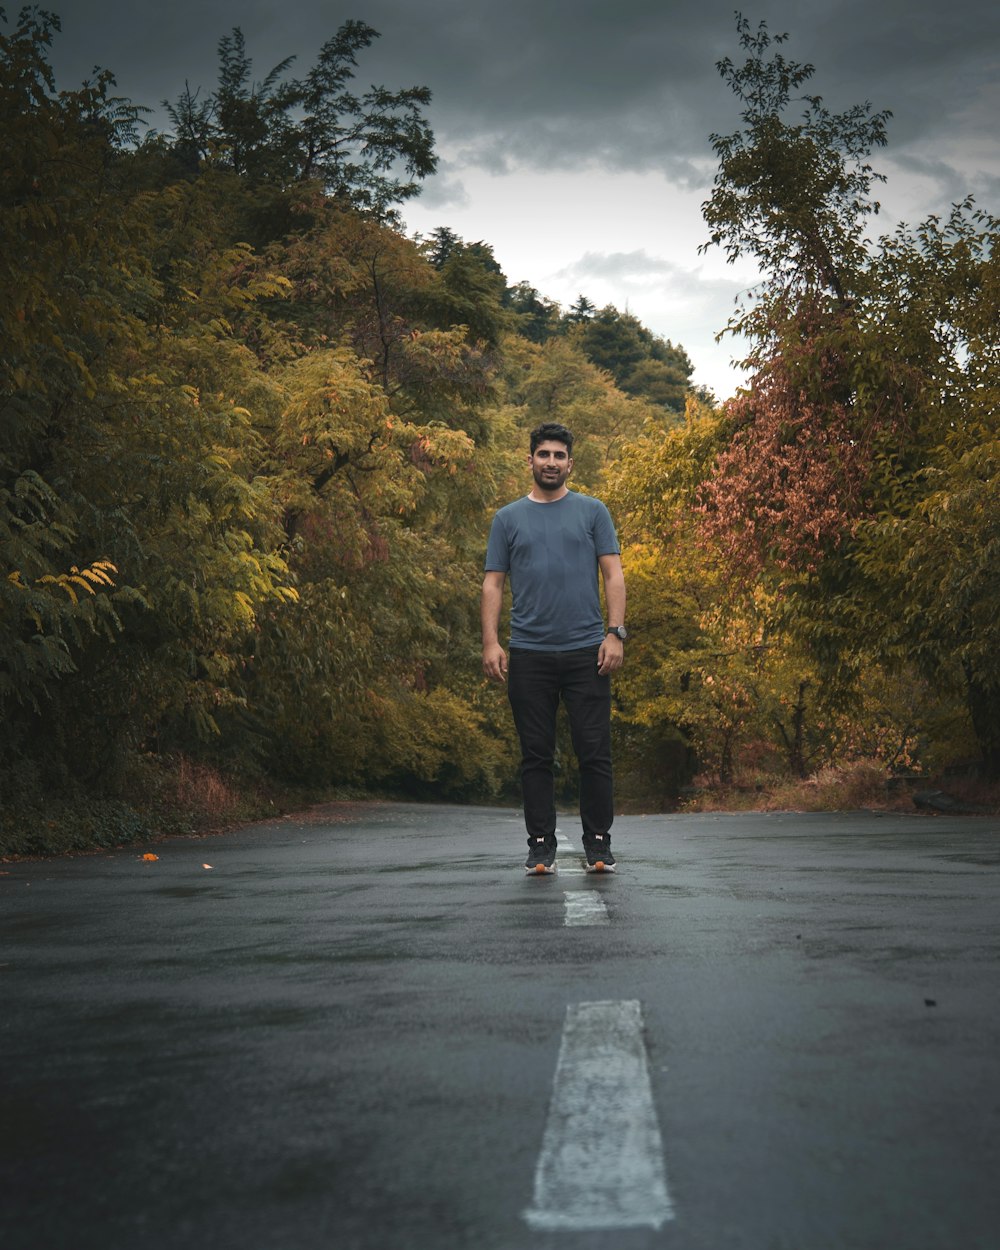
(534, 88)
(627, 86)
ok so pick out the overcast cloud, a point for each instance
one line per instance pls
(573, 134)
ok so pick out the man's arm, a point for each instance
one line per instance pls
(490, 605)
(611, 656)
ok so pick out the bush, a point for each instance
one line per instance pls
(172, 795)
(59, 827)
(862, 784)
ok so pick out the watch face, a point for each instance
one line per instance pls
(619, 631)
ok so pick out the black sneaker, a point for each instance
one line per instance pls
(597, 847)
(541, 856)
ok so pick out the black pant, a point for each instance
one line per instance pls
(535, 682)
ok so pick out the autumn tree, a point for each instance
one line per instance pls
(865, 414)
(927, 585)
(139, 544)
(379, 457)
(555, 381)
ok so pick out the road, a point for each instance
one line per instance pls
(363, 1028)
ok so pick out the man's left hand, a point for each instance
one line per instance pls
(611, 656)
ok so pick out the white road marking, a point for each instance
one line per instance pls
(585, 907)
(573, 869)
(601, 1163)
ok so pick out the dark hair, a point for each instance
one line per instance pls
(554, 432)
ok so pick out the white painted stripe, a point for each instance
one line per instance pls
(601, 1164)
(566, 845)
(585, 907)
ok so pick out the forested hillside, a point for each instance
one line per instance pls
(253, 434)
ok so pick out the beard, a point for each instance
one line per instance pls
(549, 479)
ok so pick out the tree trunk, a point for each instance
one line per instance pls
(983, 703)
(797, 757)
(795, 741)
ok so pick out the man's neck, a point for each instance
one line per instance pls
(547, 496)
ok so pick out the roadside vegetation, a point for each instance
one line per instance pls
(252, 435)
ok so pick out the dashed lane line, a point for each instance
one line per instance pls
(582, 907)
(585, 907)
(564, 869)
(601, 1164)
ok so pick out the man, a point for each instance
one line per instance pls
(552, 543)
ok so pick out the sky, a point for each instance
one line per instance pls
(573, 135)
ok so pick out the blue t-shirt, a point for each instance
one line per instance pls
(550, 551)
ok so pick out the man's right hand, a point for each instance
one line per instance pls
(495, 662)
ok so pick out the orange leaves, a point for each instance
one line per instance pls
(788, 487)
(150, 858)
(97, 575)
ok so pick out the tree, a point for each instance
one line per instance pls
(379, 457)
(718, 679)
(870, 412)
(554, 381)
(582, 310)
(795, 197)
(241, 488)
(443, 242)
(57, 296)
(537, 317)
(640, 362)
(928, 558)
(369, 150)
(473, 293)
(139, 544)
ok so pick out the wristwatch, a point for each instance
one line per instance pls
(619, 631)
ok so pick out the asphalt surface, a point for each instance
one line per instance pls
(341, 1031)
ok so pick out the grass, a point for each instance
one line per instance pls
(162, 797)
(860, 786)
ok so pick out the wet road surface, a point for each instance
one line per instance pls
(364, 1028)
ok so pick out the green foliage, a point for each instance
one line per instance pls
(61, 827)
(252, 439)
(794, 197)
(640, 363)
(368, 150)
(137, 543)
(537, 318)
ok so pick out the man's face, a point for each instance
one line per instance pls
(550, 465)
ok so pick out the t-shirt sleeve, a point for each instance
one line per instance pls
(497, 549)
(605, 539)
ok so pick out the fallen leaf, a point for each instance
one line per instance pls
(206, 865)
(149, 857)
